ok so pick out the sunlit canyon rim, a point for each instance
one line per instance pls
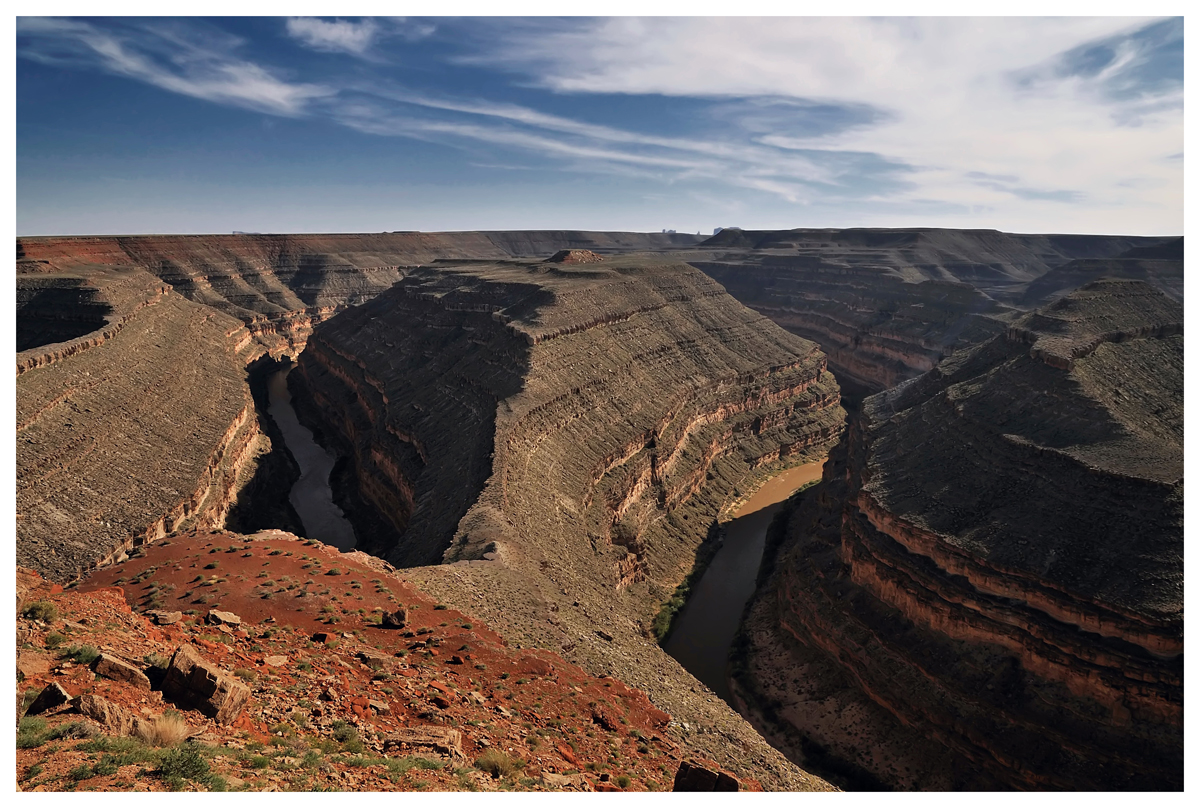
(550, 446)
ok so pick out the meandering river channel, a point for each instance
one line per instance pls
(311, 496)
(704, 629)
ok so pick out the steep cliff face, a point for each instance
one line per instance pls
(996, 562)
(564, 437)
(888, 305)
(130, 431)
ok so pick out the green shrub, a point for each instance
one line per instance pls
(623, 781)
(441, 607)
(81, 772)
(343, 731)
(182, 763)
(31, 733)
(42, 610)
(83, 654)
(75, 729)
(54, 639)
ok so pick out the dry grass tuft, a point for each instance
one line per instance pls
(165, 730)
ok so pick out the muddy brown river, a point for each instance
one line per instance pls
(704, 629)
(311, 496)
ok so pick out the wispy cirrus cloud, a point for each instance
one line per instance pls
(192, 62)
(1071, 108)
(1014, 116)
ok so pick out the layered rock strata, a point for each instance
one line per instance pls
(888, 305)
(564, 437)
(280, 286)
(131, 431)
(995, 564)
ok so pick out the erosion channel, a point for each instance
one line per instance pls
(311, 496)
(703, 632)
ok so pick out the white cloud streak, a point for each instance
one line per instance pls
(333, 35)
(946, 122)
(164, 59)
(945, 84)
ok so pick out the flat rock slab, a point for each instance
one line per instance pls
(275, 661)
(443, 741)
(162, 618)
(119, 669)
(216, 616)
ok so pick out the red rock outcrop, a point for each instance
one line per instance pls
(995, 560)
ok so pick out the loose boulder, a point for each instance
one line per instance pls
(51, 696)
(192, 682)
(164, 618)
(396, 619)
(218, 617)
(115, 720)
(691, 777)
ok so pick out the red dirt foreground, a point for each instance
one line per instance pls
(337, 700)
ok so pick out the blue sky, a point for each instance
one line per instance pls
(132, 125)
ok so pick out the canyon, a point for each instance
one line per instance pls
(550, 446)
(986, 591)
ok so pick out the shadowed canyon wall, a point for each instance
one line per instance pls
(987, 589)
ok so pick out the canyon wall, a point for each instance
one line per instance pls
(990, 578)
(888, 305)
(130, 431)
(563, 438)
(281, 285)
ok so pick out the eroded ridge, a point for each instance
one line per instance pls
(133, 430)
(281, 285)
(565, 438)
(996, 561)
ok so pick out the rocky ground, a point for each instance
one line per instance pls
(334, 700)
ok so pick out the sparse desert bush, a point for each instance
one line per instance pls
(498, 764)
(31, 733)
(73, 730)
(54, 639)
(167, 729)
(181, 764)
(42, 610)
(245, 674)
(623, 781)
(157, 661)
(83, 654)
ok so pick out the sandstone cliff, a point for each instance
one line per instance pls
(565, 437)
(991, 576)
